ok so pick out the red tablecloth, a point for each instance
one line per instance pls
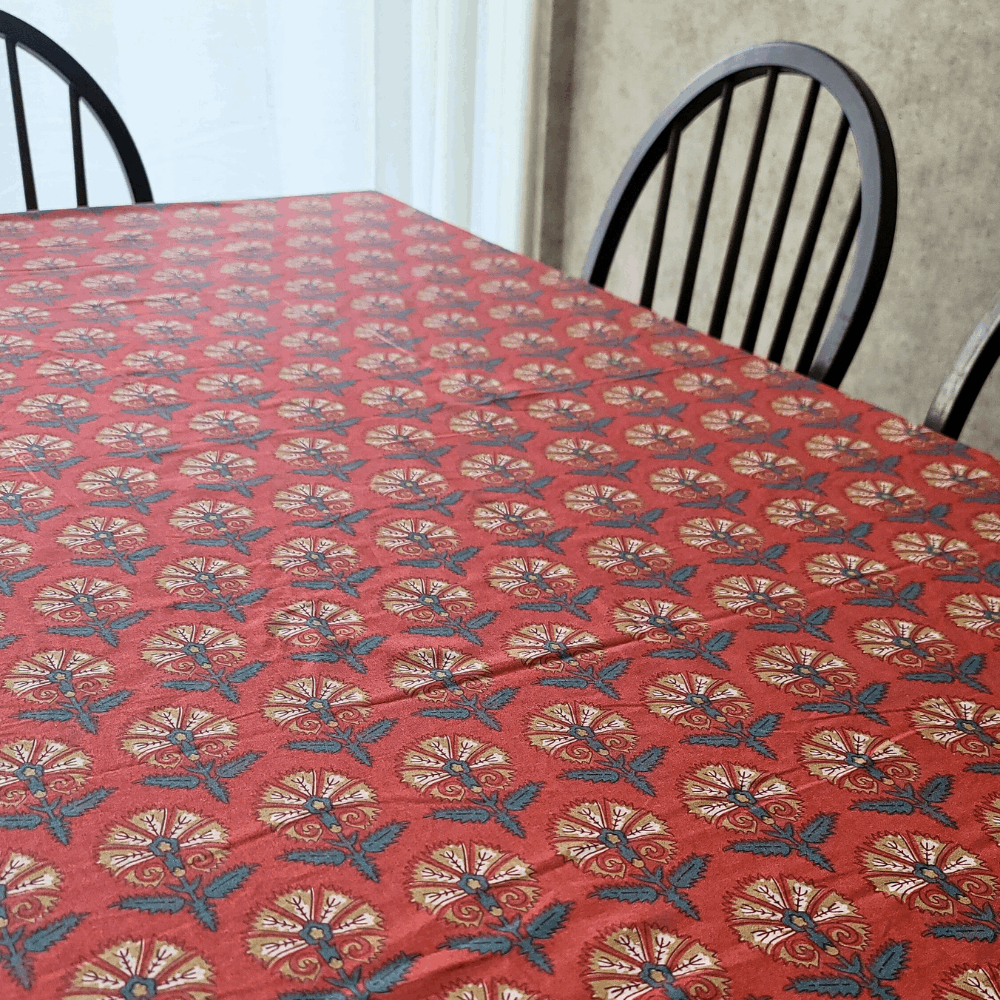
(388, 614)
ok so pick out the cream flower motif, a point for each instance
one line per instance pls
(553, 646)
(27, 496)
(166, 737)
(963, 479)
(580, 453)
(496, 468)
(297, 804)
(802, 407)
(511, 519)
(492, 990)
(617, 362)
(976, 983)
(166, 331)
(482, 425)
(796, 922)
(207, 518)
(569, 731)
(803, 671)
(766, 466)
(408, 484)
(658, 621)
(595, 331)
(310, 704)
(195, 576)
(757, 596)
(659, 436)
(315, 374)
(13, 553)
(637, 962)
(311, 453)
(976, 612)
(449, 767)
(81, 598)
(284, 933)
(387, 363)
(437, 674)
(421, 599)
(145, 394)
(695, 700)
(628, 557)
(602, 500)
(53, 405)
(160, 968)
(186, 649)
(29, 763)
(851, 574)
(235, 422)
(42, 677)
(719, 535)
(856, 761)
(465, 882)
(841, 449)
(634, 397)
(531, 578)
(146, 848)
(989, 814)
(473, 386)
(739, 798)
(221, 383)
(611, 838)
(410, 537)
(310, 410)
(883, 496)
(687, 484)
(548, 374)
(29, 449)
(308, 623)
(987, 526)
(959, 724)
(310, 498)
(704, 384)
(810, 517)
(734, 423)
(218, 466)
(310, 557)
(70, 370)
(563, 410)
(95, 536)
(902, 642)
(682, 349)
(934, 551)
(30, 887)
(925, 873)
(394, 398)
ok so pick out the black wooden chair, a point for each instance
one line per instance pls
(872, 218)
(82, 86)
(959, 390)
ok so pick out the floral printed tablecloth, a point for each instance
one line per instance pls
(385, 614)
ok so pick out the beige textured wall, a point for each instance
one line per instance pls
(932, 65)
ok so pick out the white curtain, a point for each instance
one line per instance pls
(422, 99)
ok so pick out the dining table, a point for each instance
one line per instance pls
(387, 614)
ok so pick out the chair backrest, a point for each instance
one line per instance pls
(959, 390)
(82, 86)
(872, 218)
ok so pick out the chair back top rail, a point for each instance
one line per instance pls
(82, 86)
(827, 356)
(958, 392)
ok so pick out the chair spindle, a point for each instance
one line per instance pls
(74, 119)
(830, 287)
(701, 216)
(806, 250)
(21, 125)
(742, 209)
(660, 223)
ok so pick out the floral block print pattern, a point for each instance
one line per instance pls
(387, 615)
